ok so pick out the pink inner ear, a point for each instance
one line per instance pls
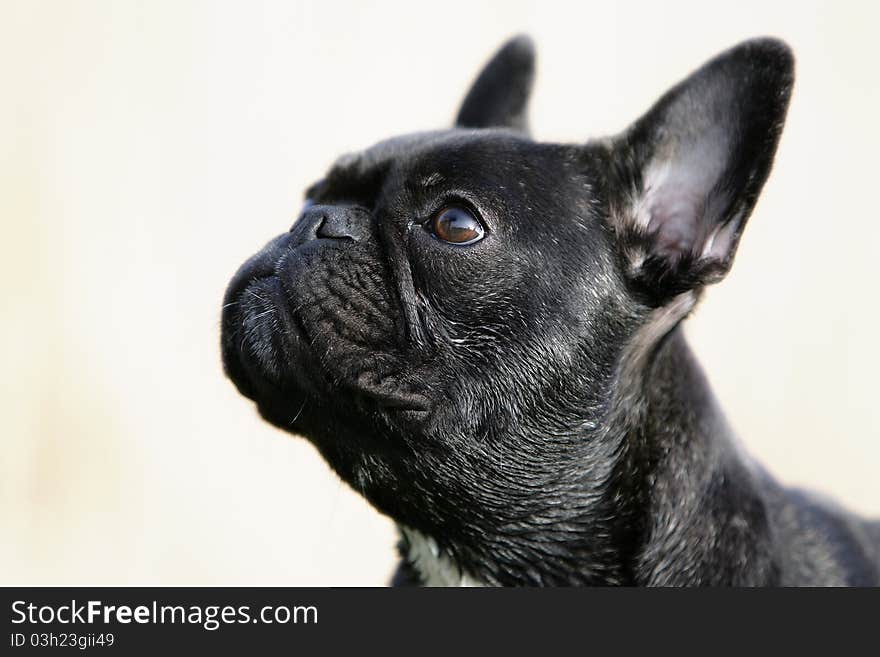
(674, 225)
(679, 210)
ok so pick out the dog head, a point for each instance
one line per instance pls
(452, 316)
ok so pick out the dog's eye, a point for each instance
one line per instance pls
(456, 225)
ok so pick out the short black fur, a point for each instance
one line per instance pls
(528, 401)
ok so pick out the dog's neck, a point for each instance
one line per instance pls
(671, 445)
(700, 489)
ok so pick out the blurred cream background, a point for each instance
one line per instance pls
(146, 149)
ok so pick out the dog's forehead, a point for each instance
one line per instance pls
(411, 152)
(390, 150)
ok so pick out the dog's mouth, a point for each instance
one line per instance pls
(267, 355)
(268, 351)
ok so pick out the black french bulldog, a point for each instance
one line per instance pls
(481, 334)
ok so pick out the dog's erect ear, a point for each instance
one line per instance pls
(687, 174)
(500, 95)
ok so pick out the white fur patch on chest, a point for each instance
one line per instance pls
(435, 567)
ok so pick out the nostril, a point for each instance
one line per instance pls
(344, 223)
(333, 230)
(339, 222)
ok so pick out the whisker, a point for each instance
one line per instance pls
(299, 412)
(256, 296)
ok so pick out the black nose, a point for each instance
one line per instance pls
(333, 222)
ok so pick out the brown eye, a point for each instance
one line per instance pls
(456, 225)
